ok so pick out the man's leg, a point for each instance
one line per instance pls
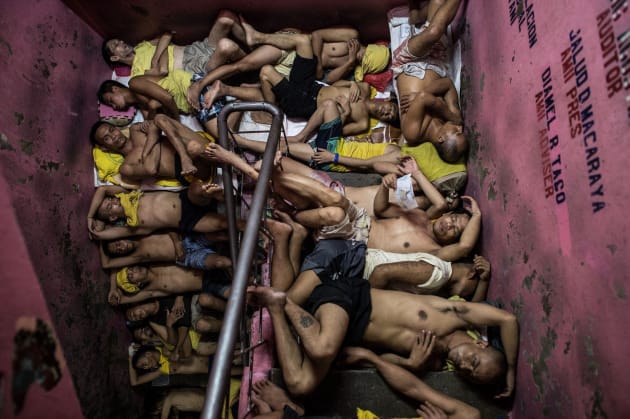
(184, 140)
(225, 49)
(282, 273)
(440, 15)
(219, 89)
(299, 42)
(300, 373)
(327, 111)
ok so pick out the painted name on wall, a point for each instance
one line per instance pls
(522, 12)
(581, 115)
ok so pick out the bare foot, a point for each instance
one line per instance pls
(251, 35)
(212, 190)
(278, 230)
(274, 396)
(261, 406)
(215, 152)
(194, 90)
(298, 229)
(215, 91)
(267, 297)
(188, 168)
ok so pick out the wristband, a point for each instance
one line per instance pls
(336, 159)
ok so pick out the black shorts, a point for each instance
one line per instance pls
(339, 266)
(191, 213)
(297, 96)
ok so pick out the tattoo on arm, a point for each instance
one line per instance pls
(306, 321)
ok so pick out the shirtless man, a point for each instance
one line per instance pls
(429, 104)
(199, 57)
(271, 400)
(450, 237)
(189, 210)
(336, 49)
(141, 283)
(146, 156)
(191, 251)
(300, 96)
(336, 312)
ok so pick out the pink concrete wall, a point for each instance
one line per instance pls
(51, 67)
(143, 19)
(551, 176)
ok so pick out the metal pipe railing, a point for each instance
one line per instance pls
(219, 375)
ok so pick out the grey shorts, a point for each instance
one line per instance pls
(196, 56)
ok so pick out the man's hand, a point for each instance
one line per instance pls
(408, 165)
(114, 297)
(344, 104)
(471, 205)
(429, 411)
(145, 126)
(482, 267)
(421, 349)
(353, 49)
(389, 181)
(178, 307)
(405, 101)
(355, 93)
(172, 316)
(509, 388)
(322, 156)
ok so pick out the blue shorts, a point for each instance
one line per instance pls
(197, 248)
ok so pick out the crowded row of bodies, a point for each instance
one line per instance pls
(384, 275)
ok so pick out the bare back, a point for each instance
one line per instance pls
(409, 85)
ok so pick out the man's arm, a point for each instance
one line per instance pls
(143, 295)
(411, 386)
(467, 240)
(117, 262)
(438, 203)
(159, 61)
(148, 87)
(481, 314)
(320, 36)
(118, 232)
(383, 208)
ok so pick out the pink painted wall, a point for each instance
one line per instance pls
(554, 198)
(51, 68)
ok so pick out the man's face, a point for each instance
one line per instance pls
(148, 361)
(137, 274)
(110, 137)
(144, 334)
(116, 99)
(110, 209)
(119, 49)
(387, 111)
(121, 247)
(138, 313)
(474, 362)
(448, 228)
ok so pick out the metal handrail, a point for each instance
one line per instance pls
(219, 375)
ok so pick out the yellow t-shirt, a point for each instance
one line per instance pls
(144, 53)
(430, 162)
(177, 83)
